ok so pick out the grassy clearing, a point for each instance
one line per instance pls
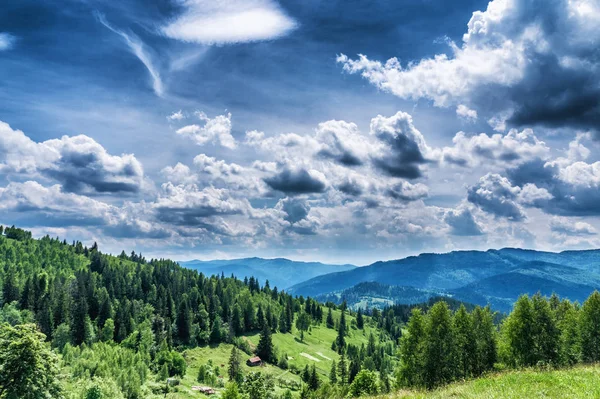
(316, 345)
(576, 383)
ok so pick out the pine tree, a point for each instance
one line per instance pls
(360, 323)
(234, 370)
(265, 348)
(236, 320)
(330, 323)
(302, 324)
(183, 322)
(341, 337)
(343, 369)
(216, 332)
(333, 374)
(313, 382)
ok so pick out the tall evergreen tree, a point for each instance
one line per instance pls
(265, 349)
(184, 322)
(234, 369)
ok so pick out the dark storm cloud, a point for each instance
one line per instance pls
(295, 209)
(403, 146)
(495, 194)
(462, 223)
(532, 62)
(295, 182)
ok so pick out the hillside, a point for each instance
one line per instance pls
(577, 383)
(496, 277)
(280, 272)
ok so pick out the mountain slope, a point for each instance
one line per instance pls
(497, 277)
(281, 273)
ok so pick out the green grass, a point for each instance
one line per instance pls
(576, 383)
(317, 344)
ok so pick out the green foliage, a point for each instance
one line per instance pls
(231, 391)
(122, 365)
(265, 349)
(590, 328)
(365, 383)
(28, 369)
(234, 369)
(259, 386)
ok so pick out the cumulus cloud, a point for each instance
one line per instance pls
(496, 195)
(215, 130)
(465, 113)
(462, 222)
(528, 61)
(342, 142)
(79, 163)
(229, 21)
(7, 41)
(188, 205)
(176, 116)
(298, 181)
(514, 148)
(404, 150)
(566, 226)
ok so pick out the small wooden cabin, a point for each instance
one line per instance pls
(254, 361)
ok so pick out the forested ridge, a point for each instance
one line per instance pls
(84, 324)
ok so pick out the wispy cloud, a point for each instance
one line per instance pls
(7, 41)
(138, 48)
(229, 21)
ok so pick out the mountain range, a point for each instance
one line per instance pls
(495, 277)
(281, 273)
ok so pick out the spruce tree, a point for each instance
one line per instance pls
(341, 337)
(234, 369)
(265, 349)
(360, 323)
(183, 322)
(330, 323)
(343, 369)
(333, 374)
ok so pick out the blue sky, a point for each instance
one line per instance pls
(342, 131)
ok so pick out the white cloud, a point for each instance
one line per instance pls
(7, 41)
(79, 163)
(465, 113)
(229, 21)
(215, 130)
(565, 226)
(516, 147)
(140, 50)
(176, 116)
(498, 67)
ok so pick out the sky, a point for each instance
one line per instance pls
(336, 131)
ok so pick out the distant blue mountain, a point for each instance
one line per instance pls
(281, 273)
(496, 277)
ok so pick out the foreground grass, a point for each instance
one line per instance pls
(579, 382)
